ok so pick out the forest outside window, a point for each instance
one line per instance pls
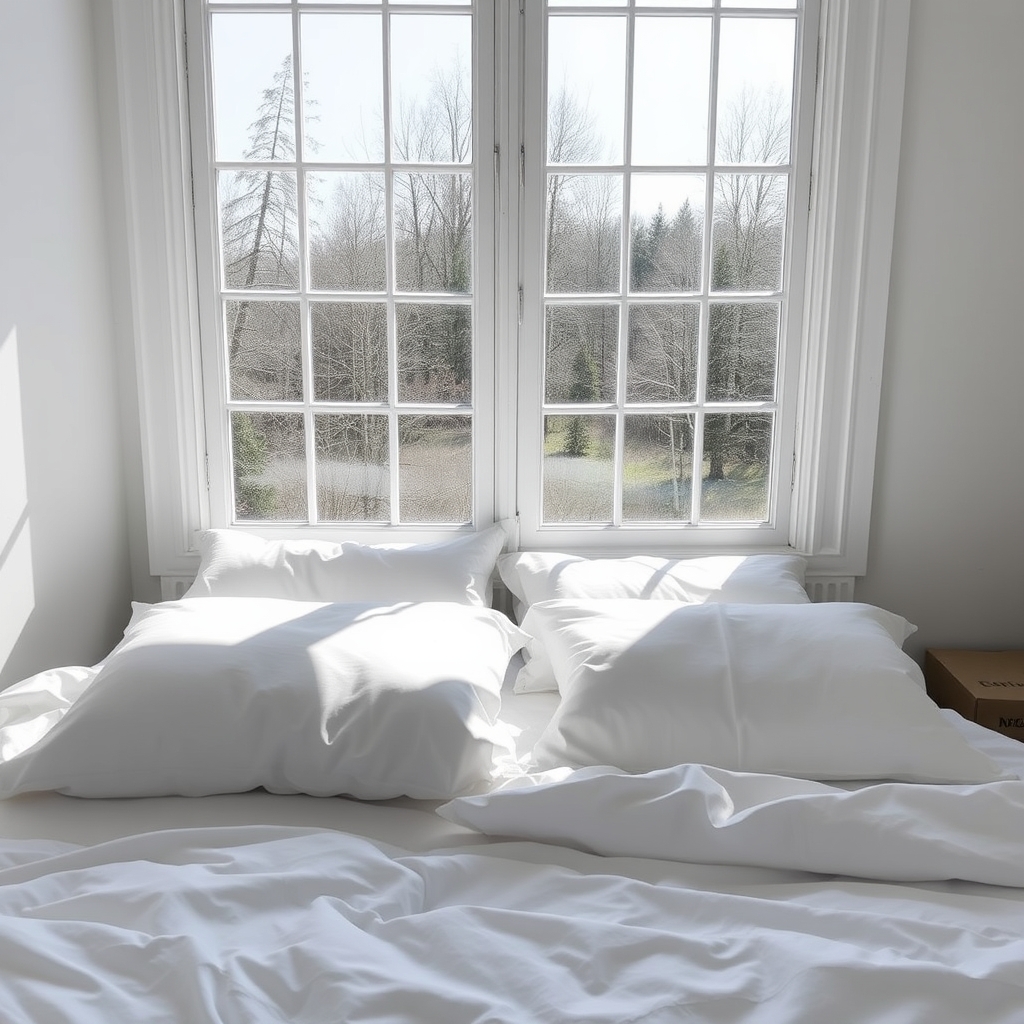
(667, 264)
(350, 288)
(346, 261)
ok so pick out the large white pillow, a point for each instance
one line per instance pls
(534, 576)
(224, 695)
(234, 563)
(818, 691)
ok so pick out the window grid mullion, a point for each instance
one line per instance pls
(391, 257)
(305, 325)
(704, 327)
(619, 464)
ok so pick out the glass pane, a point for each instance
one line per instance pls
(342, 87)
(434, 232)
(588, 3)
(581, 346)
(755, 90)
(657, 470)
(584, 227)
(671, 83)
(743, 344)
(579, 472)
(352, 475)
(268, 457)
(586, 90)
(749, 229)
(666, 244)
(737, 458)
(662, 363)
(264, 351)
(432, 88)
(259, 214)
(765, 4)
(347, 229)
(350, 351)
(435, 475)
(253, 86)
(435, 345)
(674, 3)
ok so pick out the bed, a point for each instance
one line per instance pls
(836, 848)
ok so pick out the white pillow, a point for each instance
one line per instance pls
(819, 691)
(224, 695)
(534, 576)
(237, 564)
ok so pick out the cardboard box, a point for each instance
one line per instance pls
(986, 687)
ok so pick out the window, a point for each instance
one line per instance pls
(348, 268)
(619, 365)
(660, 269)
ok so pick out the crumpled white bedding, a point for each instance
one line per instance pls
(253, 922)
(274, 924)
(698, 813)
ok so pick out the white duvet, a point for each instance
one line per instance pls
(246, 924)
(261, 924)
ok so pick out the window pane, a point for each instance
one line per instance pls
(433, 232)
(268, 457)
(259, 236)
(755, 90)
(790, 4)
(749, 229)
(586, 90)
(435, 475)
(352, 475)
(342, 87)
(350, 351)
(581, 346)
(264, 351)
(579, 470)
(662, 363)
(657, 472)
(431, 88)
(666, 244)
(347, 230)
(435, 344)
(584, 227)
(743, 348)
(253, 86)
(671, 83)
(737, 459)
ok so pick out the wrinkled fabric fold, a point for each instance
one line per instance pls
(697, 813)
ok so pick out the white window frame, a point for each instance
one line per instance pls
(862, 61)
(669, 536)
(219, 502)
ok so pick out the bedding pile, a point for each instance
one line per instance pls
(734, 806)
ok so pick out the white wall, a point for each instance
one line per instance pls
(948, 517)
(64, 573)
(947, 532)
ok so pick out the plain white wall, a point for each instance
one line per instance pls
(64, 574)
(947, 530)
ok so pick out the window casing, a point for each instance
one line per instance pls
(859, 98)
(365, 282)
(695, 459)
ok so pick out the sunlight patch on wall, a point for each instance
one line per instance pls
(17, 590)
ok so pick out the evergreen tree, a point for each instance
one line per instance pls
(584, 386)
